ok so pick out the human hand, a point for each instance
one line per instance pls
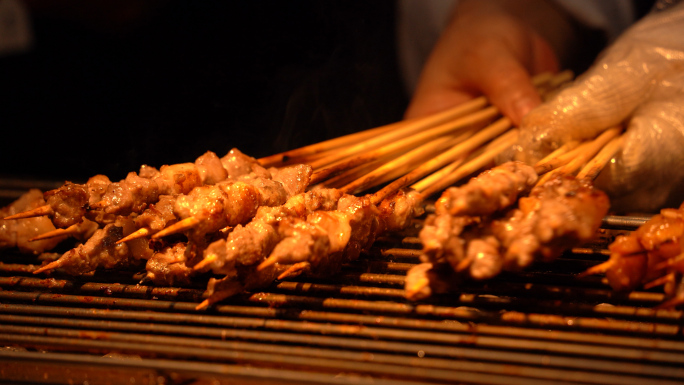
(639, 80)
(492, 48)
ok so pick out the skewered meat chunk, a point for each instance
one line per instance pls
(245, 245)
(218, 206)
(300, 240)
(68, 203)
(134, 192)
(102, 250)
(17, 233)
(489, 192)
(295, 179)
(425, 279)
(219, 289)
(397, 210)
(238, 164)
(137, 190)
(483, 257)
(210, 168)
(325, 239)
(158, 215)
(441, 239)
(167, 267)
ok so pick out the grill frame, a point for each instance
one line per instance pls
(544, 325)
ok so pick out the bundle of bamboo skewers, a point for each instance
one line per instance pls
(431, 153)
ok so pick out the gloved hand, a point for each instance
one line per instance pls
(638, 80)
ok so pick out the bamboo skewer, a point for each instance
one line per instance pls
(594, 166)
(178, 227)
(444, 158)
(331, 144)
(592, 149)
(37, 212)
(73, 229)
(390, 130)
(400, 145)
(554, 163)
(583, 153)
(472, 118)
(354, 173)
(140, 233)
(435, 177)
(50, 266)
(478, 162)
(401, 163)
(562, 150)
(543, 82)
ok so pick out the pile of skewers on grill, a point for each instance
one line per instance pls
(245, 223)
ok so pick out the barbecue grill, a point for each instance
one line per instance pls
(544, 325)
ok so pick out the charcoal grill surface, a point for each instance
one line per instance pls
(542, 326)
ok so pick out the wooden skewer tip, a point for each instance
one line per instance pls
(50, 266)
(140, 233)
(205, 262)
(37, 212)
(270, 261)
(178, 227)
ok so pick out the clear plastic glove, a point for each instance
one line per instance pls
(638, 80)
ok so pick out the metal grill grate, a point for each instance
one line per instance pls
(541, 326)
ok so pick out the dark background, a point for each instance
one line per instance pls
(160, 82)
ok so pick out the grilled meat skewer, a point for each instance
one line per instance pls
(557, 215)
(317, 241)
(650, 256)
(215, 207)
(68, 204)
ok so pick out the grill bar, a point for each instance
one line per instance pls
(384, 364)
(75, 368)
